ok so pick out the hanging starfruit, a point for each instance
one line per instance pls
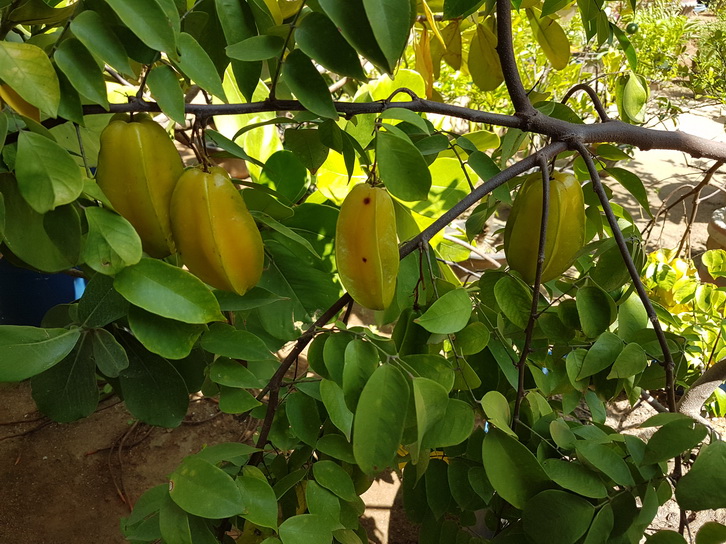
(138, 167)
(214, 232)
(18, 103)
(565, 226)
(366, 246)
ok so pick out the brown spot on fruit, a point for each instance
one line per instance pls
(367, 200)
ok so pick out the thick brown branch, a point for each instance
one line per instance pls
(505, 49)
(694, 398)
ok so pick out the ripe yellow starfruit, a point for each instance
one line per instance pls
(214, 232)
(138, 167)
(565, 226)
(366, 246)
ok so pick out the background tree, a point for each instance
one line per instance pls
(476, 389)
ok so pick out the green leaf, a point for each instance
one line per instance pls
(254, 298)
(101, 303)
(331, 476)
(225, 340)
(449, 314)
(391, 22)
(606, 460)
(319, 38)
(455, 9)
(174, 523)
(79, 66)
(632, 317)
(322, 502)
(402, 167)
(337, 447)
(473, 338)
(302, 413)
(361, 360)
(455, 427)
(673, 439)
(575, 477)
(380, 418)
(196, 64)
(309, 152)
(164, 87)
(47, 175)
(285, 231)
(484, 64)
(226, 371)
(711, 533)
(93, 32)
(67, 391)
(110, 356)
(168, 291)
(601, 355)
(512, 469)
(334, 355)
(351, 19)
(334, 401)
(595, 309)
(514, 299)
(633, 184)
(551, 38)
(236, 401)
(635, 97)
(496, 408)
(601, 526)
(28, 351)
(260, 503)
(665, 537)
(308, 85)
(204, 490)
(556, 516)
(704, 486)
(430, 401)
(166, 337)
(148, 20)
(257, 48)
(28, 70)
(305, 529)
(664, 419)
(152, 388)
(111, 244)
(285, 174)
(631, 361)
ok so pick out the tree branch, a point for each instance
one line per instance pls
(505, 49)
(694, 398)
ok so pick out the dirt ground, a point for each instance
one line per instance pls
(71, 483)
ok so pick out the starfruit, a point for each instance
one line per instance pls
(565, 226)
(214, 232)
(366, 246)
(138, 167)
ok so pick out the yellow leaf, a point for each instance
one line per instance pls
(484, 65)
(424, 63)
(551, 38)
(432, 22)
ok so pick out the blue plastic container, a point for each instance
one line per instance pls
(25, 296)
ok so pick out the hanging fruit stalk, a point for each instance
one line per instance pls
(366, 246)
(214, 232)
(138, 167)
(565, 226)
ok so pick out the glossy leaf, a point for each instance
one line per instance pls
(430, 402)
(512, 469)
(319, 38)
(514, 299)
(222, 339)
(98, 37)
(256, 48)
(673, 439)
(556, 516)
(711, 532)
(333, 477)
(164, 87)
(205, 490)
(67, 391)
(28, 351)
(484, 64)
(101, 303)
(595, 309)
(167, 291)
(361, 360)
(197, 65)
(79, 66)
(152, 388)
(47, 175)
(702, 488)
(402, 167)
(28, 70)
(334, 401)
(631, 361)
(302, 413)
(305, 529)
(575, 477)
(449, 314)
(606, 460)
(109, 355)
(308, 85)
(391, 22)
(551, 38)
(149, 22)
(111, 244)
(166, 337)
(380, 418)
(260, 503)
(601, 355)
(496, 408)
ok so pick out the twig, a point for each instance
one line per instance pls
(29, 431)
(593, 97)
(526, 348)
